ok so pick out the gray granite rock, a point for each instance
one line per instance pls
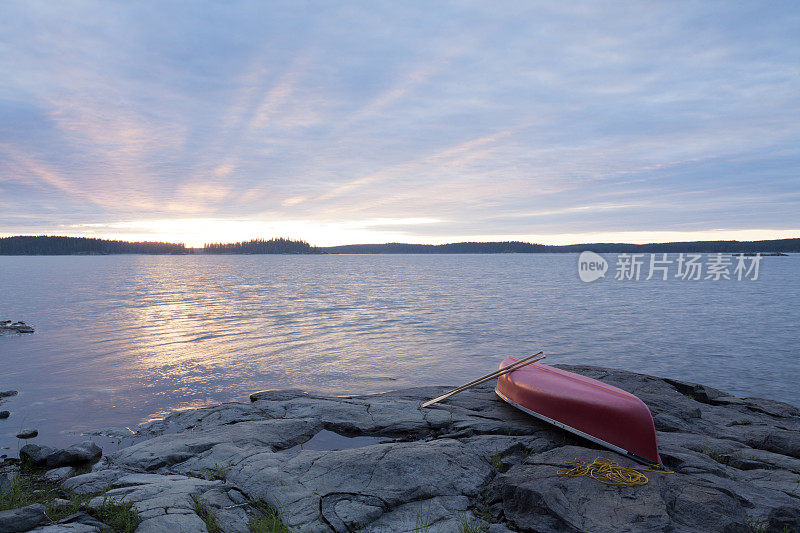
(57, 475)
(174, 523)
(22, 519)
(35, 454)
(166, 502)
(75, 455)
(28, 433)
(76, 523)
(91, 482)
(69, 528)
(60, 503)
(471, 459)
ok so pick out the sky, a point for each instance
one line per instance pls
(429, 122)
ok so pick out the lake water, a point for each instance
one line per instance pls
(123, 339)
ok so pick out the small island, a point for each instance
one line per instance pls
(263, 246)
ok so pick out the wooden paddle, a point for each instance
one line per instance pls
(496, 374)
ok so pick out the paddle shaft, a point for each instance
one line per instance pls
(492, 374)
(496, 374)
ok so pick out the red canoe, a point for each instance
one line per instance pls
(594, 410)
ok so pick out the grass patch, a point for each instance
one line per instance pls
(725, 458)
(206, 515)
(756, 526)
(27, 489)
(744, 422)
(22, 492)
(468, 524)
(270, 520)
(721, 458)
(218, 471)
(423, 517)
(121, 516)
(496, 459)
(483, 514)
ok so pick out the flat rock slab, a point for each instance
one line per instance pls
(471, 460)
(22, 519)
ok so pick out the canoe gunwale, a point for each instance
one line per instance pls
(580, 433)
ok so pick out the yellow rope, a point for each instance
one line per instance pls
(608, 472)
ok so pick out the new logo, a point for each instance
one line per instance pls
(591, 266)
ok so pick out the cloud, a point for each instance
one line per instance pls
(531, 120)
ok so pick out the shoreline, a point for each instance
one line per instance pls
(377, 462)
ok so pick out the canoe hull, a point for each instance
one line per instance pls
(604, 414)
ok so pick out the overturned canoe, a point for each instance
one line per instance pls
(594, 410)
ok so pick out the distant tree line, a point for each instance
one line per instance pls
(45, 245)
(262, 246)
(453, 248)
(778, 245)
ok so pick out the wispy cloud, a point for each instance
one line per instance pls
(520, 120)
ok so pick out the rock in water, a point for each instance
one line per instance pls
(8, 393)
(35, 454)
(4, 415)
(85, 452)
(22, 519)
(19, 327)
(77, 454)
(28, 433)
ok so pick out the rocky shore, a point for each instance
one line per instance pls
(291, 461)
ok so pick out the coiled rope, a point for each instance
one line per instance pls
(608, 472)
